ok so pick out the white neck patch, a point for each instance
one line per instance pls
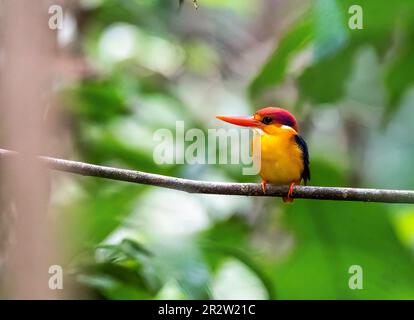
(288, 128)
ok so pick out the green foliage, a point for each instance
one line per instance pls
(333, 48)
(101, 210)
(324, 81)
(399, 74)
(98, 101)
(136, 242)
(274, 71)
(331, 238)
(120, 274)
(218, 245)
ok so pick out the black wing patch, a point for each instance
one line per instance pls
(306, 176)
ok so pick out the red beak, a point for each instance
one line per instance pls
(241, 121)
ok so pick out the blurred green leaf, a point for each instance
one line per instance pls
(100, 211)
(334, 45)
(325, 80)
(230, 239)
(127, 292)
(246, 259)
(130, 248)
(134, 248)
(330, 28)
(117, 272)
(274, 70)
(399, 75)
(115, 281)
(180, 260)
(98, 101)
(330, 239)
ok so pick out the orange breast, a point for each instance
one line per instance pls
(281, 158)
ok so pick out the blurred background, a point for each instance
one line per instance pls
(123, 69)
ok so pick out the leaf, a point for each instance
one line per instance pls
(225, 233)
(330, 32)
(274, 70)
(246, 259)
(116, 271)
(325, 80)
(180, 260)
(330, 238)
(230, 239)
(390, 153)
(127, 292)
(134, 248)
(127, 248)
(99, 212)
(115, 281)
(334, 46)
(325, 27)
(399, 74)
(120, 272)
(97, 101)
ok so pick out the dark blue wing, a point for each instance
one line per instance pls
(305, 156)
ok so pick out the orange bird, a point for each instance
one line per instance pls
(284, 153)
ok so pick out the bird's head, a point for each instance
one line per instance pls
(265, 119)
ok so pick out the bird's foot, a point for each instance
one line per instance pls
(289, 197)
(263, 184)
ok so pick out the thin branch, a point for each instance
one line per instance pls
(222, 188)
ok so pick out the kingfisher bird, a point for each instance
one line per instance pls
(284, 153)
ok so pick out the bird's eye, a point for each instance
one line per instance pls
(267, 120)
